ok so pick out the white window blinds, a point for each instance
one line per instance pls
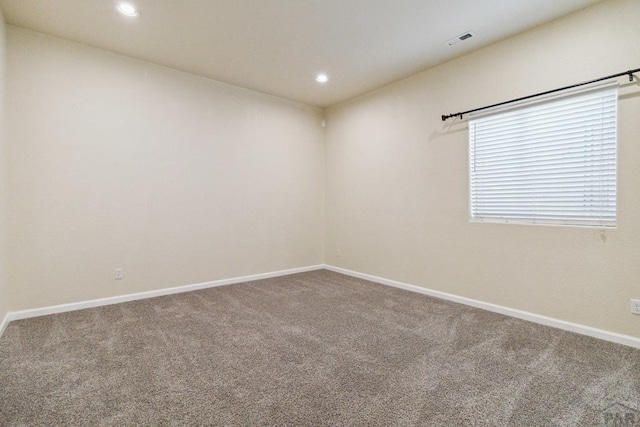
(552, 162)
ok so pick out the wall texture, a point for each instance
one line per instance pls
(397, 181)
(3, 177)
(177, 179)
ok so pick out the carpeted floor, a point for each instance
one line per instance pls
(310, 349)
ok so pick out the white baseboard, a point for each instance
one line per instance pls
(25, 314)
(536, 318)
(3, 324)
(532, 317)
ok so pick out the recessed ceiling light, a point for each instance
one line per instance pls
(128, 9)
(322, 78)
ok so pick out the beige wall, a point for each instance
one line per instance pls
(116, 162)
(3, 177)
(397, 181)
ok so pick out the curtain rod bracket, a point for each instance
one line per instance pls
(445, 117)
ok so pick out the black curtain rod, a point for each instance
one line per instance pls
(624, 73)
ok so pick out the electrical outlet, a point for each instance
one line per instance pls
(339, 253)
(635, 306)
(118, 274)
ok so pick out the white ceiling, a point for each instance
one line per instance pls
(278, 46)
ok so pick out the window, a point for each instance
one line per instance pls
(552, 162)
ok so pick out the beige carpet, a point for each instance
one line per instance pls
(310, 349)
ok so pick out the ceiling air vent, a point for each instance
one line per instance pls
(462, 37)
